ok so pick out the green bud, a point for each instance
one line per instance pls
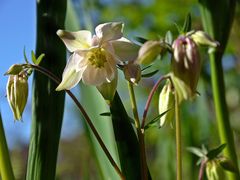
(14, 69)
(202, 38)
(214, 170)
(148, 52)
(132, 72)
(17, 94)
(108, 90)
(166, 103)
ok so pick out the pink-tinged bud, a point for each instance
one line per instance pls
(132, 72)
(17, 94)
(186, 66)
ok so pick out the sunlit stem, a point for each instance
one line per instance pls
(85, 115)
(6, 171)
(140, 133)
(178, 139)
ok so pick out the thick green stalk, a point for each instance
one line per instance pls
(47, 109)
(6, 171)
(140, 132)
(217, 20)
(224, 127)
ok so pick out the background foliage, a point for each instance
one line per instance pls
(149, 19)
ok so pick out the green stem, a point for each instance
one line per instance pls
(140, 133)
(6, 171)
(85, 115)
(222, 115)
(178, 139)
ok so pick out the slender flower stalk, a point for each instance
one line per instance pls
(87, 118)
(154, 89)
(6, 171)
(140, 133)
(178, 138)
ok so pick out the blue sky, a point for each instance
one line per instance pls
(18, 29)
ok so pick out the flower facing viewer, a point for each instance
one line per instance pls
(95, 57)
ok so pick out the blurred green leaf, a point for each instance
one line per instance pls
(150, 74)
(187, 24)
(152, 122)
(215, 152)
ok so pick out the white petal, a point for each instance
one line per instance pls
(71, 75)
(125, 49)
(94, 76)
(110, 71)
(109, 31)
(79, 40)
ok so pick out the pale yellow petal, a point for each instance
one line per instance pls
(74, 41)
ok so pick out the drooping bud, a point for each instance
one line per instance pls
(166, 104)
(132, 72)
(14, 69)
(108, 90)
(17, 94)
(148, 52)
(214, 170)
(202, 38)
(186, 66)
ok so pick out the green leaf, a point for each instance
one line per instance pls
(126, 140)
(145, 68)
(25, 56)
(89, 97)
(179, 29)
(152, 122)
(197, 151)
(169, 37)
(6, 171)
(215, 152)
(105, 114)
(149, 74)
(228, 165)
(39, 59)
(187, 24)
(141, 40)
(47, 104)
(34, 60)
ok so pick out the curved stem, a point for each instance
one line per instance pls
(85, 115)
(154, 89)
(6, 171)
(140, 133)
(178, 139)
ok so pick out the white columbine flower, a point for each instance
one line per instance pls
(95, 57)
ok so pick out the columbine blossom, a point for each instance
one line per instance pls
(95, 57)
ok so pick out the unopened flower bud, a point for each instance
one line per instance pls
(214, 170)
(148, 52)
(108, 90)
(166, 104)
(132, 72)
(17, 94)
(186, 67)
(14, 69)
(202, 38)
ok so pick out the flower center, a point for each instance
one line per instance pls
(97, 57)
